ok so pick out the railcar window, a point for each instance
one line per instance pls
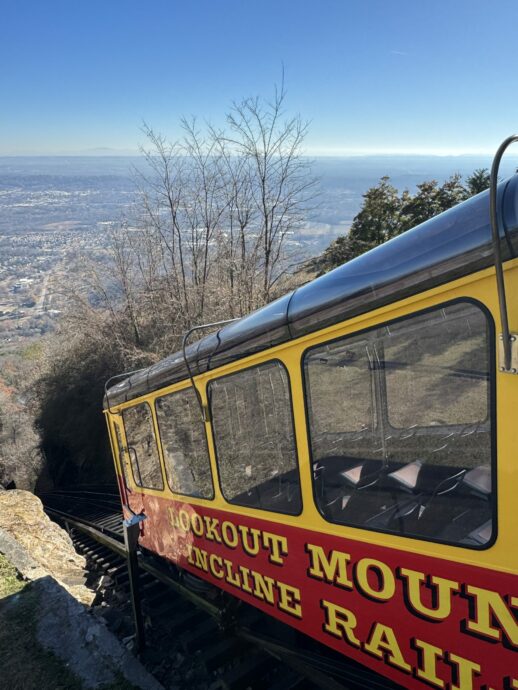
(184, 444)
(120, 448)
(400, 427)
(142, 448)
(254, 438)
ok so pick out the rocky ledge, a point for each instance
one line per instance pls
(44, 555)
(37, 546)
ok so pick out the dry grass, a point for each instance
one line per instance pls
(10, 581)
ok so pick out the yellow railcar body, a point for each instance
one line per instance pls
(503, 554)
(436, 664)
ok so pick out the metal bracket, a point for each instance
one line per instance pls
(513, 343)
(134, 519)
(507, 338)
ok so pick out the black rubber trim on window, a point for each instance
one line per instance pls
(119, 449)
(492, 418)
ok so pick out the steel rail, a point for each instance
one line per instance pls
(102, 534)
(119, 548)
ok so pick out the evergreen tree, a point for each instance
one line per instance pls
(341, 250)
(385, 214)
(478, 181)
(379, 218)
(452, 192)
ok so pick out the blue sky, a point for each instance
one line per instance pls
(371, 75)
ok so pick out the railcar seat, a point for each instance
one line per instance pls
(472, 522)
(353, 492)
(281, 492)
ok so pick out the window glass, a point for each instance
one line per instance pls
(120, 449)
(434, 363)
(184, 444)
(333, 369)
(400, 427)
(254, 438)
(142, 448)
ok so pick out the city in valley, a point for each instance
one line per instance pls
(56, 214)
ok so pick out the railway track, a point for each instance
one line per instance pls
(196, 636)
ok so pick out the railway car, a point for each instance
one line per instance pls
(344, 459)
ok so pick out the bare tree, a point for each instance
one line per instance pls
(218, 206)
(240, 243)
(281, 182)
(21, 461)
(207, 238)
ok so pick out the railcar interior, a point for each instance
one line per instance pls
(393, 449)
(184, 444)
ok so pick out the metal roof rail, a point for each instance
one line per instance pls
(126, 374)
(205, 414)
(508, 345)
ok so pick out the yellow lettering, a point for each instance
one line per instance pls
(245, 579)
(263, 587)
(277, 545)
(214, 559)
(489, 607)
(331, 568)
(229, 534)
(200, 557)
(289, 599)
(442, 594)
(428, 657)
(171, 516)
(253, 548)
(184, 520)
(211, 529)
(340, 622)
(383, 643)
(231, 577)
(385, 576)
(197, 524)
(464, 672)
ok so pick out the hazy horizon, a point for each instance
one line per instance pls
(40, 192)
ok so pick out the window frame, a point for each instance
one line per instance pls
(274, 360)
(154, 428)
(173, 491)
(491, 417)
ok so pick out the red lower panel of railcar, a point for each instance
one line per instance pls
(421, 621)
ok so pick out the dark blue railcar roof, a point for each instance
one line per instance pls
(454, 243)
